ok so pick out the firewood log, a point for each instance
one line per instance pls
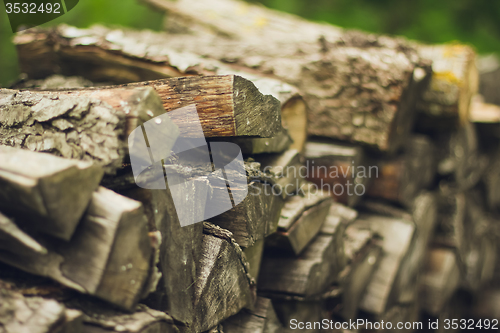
(440, 280)
(339, 168)
(489, 72)
(320, 60)
(308, 274)
(82, 124)
(453, 84)
(262, 319)
(257, 215)
(397, 235)
(253, 255)
(363, 254)
(301, 219)
(105, 59)
(401, 178)
(46, 193)
(109, 256)
(223, 285)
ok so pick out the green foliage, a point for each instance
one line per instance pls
(129, 13)
(435, 21)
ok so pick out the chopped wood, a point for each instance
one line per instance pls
(342, 169)
(440, 280)
(257, 215)
(401, 178)
(304, 275)
(253, 254)
(363, 255)
(262, 319)
(82, 124)
(108, 257)
(318, 61)
(46, 193)
(223, 285)
(285, 168)
(453, 84)
(397, 235)
(301, 219)
(489, 72)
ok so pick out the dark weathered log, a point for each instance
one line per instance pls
(20, 314)
(179, 252)
(108, 257)
(340, 169)
(401, 178)
(46, 193)
(440, 280)
(257, 215)
(330, 65)
(13, 239)
(223, 285)
(300, 315)
(83, 124)
(253, 255)
(453, 84)
(363, 255)
(286, 168)
(304, 275)
(459, 156)
(301, 219)
(491, 181)
(338, 219)
(397, 235)
(262, 319)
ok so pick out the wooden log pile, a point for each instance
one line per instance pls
(367, 189)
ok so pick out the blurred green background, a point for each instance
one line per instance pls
(476, 22)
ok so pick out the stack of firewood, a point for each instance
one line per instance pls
(372, 178)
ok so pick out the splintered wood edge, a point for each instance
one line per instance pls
(216, 231)
(255, 114)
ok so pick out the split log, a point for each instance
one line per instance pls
(459, 157)
(179, 251)
(223, 285)
(262, 319)
(338, 219)
(453, 84)
(363, 255)
(253, 254)
(489, 74)
(301, 219)
(22, 314)
(46, 193)
(339, 168)
(109, 256)
(116, 56)
(330, 65)
(423, 212)
(397, 235)
(285, 168)
(401, 178)
(83, 124)
(308, 274)
(257, 215)
(440, 280)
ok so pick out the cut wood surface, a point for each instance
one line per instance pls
(453, 84)
(223, 285)
(301, 219)
(286, 168)
(89, 125)
(341, 169)
(109, 256)
(307, 274)
(397, 235)
(401, 178)
(253, 255)
(48, 194)
(318, 61)
(262, 319)
(257, 215)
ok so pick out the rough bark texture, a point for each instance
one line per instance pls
(454, 82)
(359, 87)
(46, 193)
(88, 125)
